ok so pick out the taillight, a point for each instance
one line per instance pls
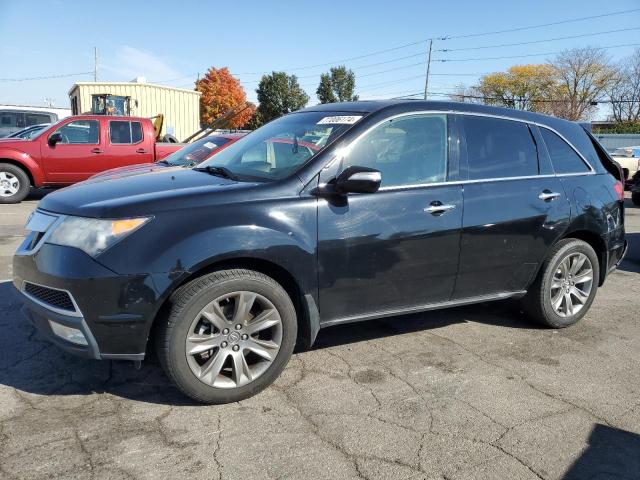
(619, 188)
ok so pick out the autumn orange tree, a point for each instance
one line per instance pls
(222, 92)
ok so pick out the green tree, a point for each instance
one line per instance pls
(524, 87)
(278, 95)
(337, 86)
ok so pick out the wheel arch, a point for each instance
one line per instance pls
(304, 303)
(597, 243)
(27, 169)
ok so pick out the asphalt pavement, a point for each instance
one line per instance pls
(474, 392)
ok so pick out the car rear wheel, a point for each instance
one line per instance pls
(14, 184)
(566, 285)
(228, 335)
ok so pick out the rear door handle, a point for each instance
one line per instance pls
(96, 150)
(141, 150)
(438, 208)
(548, 195)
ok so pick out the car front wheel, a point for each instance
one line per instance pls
(228, 335)
(14, 184)
(566, 285)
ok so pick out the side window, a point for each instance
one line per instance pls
(123, 132)
(408, 150)
(498, 148)
(8, 119)
(563, 157)
(80, 132)
(36, 119)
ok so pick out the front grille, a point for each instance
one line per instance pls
(50, 296)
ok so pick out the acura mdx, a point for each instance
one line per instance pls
(336, 213)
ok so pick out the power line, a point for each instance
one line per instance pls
(536, 41)
(443, 60)
(530, 27)
(442, 38)
(47, 77)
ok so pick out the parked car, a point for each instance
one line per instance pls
(188, 156)
(27, 133)
(400, 207)
(629, 159)
(75, 149)
(635, 189)
(13, 119)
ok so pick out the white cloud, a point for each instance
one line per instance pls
(130, 62)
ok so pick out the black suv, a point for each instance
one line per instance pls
(336, 213)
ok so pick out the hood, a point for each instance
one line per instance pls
(167, 188)
(129, 170)
(10, 142)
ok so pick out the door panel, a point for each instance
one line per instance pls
(383, 251)
(77, 157)
(126, 145)
(507, 229)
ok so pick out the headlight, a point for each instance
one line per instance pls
(94, 235)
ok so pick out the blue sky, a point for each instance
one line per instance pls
(171, 42)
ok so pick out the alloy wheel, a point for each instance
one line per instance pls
(234, 339)
(571, 284)
(9, 184)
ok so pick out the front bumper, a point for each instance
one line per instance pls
(114, 312)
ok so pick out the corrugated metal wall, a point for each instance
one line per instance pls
(611, 141)
(181, 108)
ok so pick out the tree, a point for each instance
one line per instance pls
(582, 75)
(278, 95)
(222, 92)
(524, 87)
(624, 90)
(337, 86)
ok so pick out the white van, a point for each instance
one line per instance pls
(17, 117)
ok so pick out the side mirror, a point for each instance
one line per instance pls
(54, 138)
(356, 179)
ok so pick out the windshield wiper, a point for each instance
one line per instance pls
(217, 171)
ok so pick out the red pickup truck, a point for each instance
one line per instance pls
(75, 149)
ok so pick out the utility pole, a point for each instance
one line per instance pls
(95, 64)
(426, 80)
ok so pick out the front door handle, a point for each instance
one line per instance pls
(96, 150)
(141, 150)
(438, 208)
(548, 195)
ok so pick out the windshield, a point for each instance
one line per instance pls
(197, 151)
(281, 147)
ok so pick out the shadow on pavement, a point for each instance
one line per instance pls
(31, 364)
(612, 453)
(631, 261)
(38, 193)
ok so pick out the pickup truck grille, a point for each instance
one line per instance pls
(51, 297)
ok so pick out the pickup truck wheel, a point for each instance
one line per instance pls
(227, 336)
(635, 198)
(566, 285)
(14, 184)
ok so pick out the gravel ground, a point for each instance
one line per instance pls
(474, 392)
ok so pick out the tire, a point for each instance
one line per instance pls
(168, 138)
(14, 184)
(538, 303)
(635, 198)
(218, 296)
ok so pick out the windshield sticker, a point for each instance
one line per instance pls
(340, 119)
(210, 145)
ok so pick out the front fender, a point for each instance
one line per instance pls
(26, 161)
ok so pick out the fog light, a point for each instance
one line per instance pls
(70, 334)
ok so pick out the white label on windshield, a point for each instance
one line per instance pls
(340, 119)
(210, 145)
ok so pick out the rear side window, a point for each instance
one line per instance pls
(499, 148)
(36, 119)
(8, 119)
(564, 158)
(123, 132)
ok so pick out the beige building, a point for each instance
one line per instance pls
(181, 107)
